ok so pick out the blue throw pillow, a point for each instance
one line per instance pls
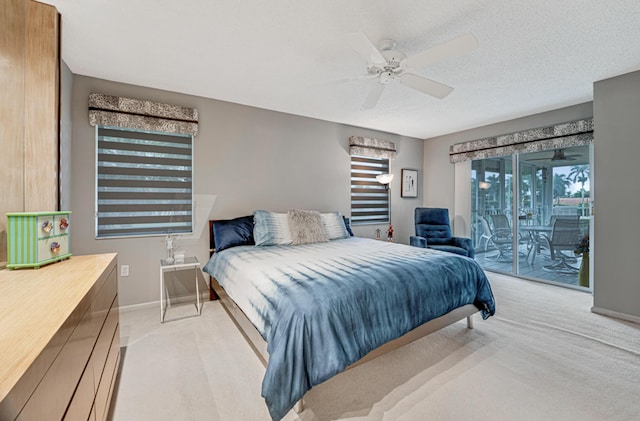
(233, 232)
(347, 224)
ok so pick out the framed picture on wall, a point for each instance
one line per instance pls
(409, 183)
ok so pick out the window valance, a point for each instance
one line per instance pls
(560, 136)
(115, 111)
(373, 148)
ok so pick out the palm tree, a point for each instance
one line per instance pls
(493, 193)
(560, 185)
(580, 174)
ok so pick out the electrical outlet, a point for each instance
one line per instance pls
(124, 270)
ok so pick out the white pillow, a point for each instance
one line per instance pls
(334, 225)
(271, 228)
(307, 227)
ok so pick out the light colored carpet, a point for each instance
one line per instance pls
(544, 356)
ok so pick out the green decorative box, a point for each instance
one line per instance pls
(35, 239)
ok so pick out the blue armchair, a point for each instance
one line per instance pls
(433, 231)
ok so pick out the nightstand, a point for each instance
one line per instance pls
(172, 266)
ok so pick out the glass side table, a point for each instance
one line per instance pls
(171, 266)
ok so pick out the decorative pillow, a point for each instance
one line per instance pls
(233, 232)
(334, 225)
(347, 224)
(307, 227)
(271, 229)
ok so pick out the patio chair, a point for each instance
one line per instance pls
(433, 231)
(486, 233)
(554, 218)
(501, 237)
(565, 236)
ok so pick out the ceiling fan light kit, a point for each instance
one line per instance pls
(558, 155)
(387, 64)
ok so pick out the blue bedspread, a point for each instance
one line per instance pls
(322, 307)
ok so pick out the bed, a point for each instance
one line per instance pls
(313, 310)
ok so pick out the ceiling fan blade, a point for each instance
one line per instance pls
(365, 48)
(349, 80)
(452, 48)
(427, 86)
(375, 92)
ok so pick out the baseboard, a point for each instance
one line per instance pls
(615, 314)
(134, 307)
(204, 296)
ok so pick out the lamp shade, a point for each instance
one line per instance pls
(384, 178)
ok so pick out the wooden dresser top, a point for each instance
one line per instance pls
(35, 303)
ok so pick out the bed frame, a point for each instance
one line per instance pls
(259, 345)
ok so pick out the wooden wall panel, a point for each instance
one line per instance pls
(41, 107)
(29, 109)
(12, 16)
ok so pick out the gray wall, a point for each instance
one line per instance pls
(616, 153)
(245, 159)
(66, 89)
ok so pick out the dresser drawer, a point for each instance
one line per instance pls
(82, 402)
(103, 344)
(51, 397)
(51, 247)
(105, 388)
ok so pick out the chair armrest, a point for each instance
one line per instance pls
(417, 241)
(552, 252)
(464, 243)
(503, 233)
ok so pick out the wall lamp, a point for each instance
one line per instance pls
(384, 179)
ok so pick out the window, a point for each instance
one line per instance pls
(144, 183)
(369, 199)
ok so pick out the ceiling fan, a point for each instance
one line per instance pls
(558, 155)
(387, 64)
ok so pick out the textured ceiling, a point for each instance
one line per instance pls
(292, 56)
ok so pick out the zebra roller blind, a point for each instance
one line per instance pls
(369, 199)
(144, 183)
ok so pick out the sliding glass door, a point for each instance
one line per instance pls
(491, 216)
(534, 222)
